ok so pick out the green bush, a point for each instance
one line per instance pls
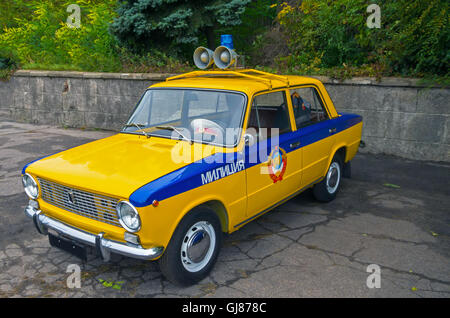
(10, 10)
(413, 38)
(419, 37)
(44, 39)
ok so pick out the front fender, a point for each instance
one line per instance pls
(181, 191)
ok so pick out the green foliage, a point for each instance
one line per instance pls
(419, 39)
(90, 47)
(9, 11)
(320, 37)
(256, 19)
(7, 59)
(7, 63)
(7, 67)
(44, 38)
(413, 38)
(174, 26)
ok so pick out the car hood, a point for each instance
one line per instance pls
(115, 166)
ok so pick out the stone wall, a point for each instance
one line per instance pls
(73, 99)
(401, 117)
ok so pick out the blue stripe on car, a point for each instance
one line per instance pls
(189, 177)
(26, 166)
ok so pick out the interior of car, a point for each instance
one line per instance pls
(269, 113)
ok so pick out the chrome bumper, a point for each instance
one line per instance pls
(103, 246)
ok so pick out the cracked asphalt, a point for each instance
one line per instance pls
(393, 212)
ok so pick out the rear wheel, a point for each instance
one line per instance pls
(327, 189)
(193, 249)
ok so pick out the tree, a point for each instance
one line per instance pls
(174, 24)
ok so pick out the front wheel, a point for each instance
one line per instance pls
(327, 189)
(193, 249)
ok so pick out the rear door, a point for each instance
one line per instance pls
(315, 131)
(273, 155)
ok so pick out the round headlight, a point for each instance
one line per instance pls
(128, 216)
(30, 186)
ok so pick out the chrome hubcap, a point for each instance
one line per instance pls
(333, 177)
(198, 246)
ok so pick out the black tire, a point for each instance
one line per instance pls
(347, 170)
(327, 189)
(175, 263)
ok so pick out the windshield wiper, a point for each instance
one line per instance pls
(139, 126)
(176, 130)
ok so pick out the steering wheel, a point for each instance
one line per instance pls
(207, 127)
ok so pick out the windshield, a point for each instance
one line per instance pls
(194, 115)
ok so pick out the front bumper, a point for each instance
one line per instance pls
(103, 246)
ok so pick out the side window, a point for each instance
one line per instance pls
(269, 115)
(308, 107)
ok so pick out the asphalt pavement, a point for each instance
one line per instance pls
(392, 215)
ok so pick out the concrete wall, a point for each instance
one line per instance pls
(73, 99)
(401, 117)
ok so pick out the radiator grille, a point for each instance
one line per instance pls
(94, 206)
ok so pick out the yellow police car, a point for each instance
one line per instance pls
(202, 154)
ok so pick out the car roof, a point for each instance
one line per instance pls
(246, 81)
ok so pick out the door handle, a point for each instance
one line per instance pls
(295, 144)
(332, 130)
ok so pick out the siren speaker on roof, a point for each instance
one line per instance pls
(203, 57)
(224, 57)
